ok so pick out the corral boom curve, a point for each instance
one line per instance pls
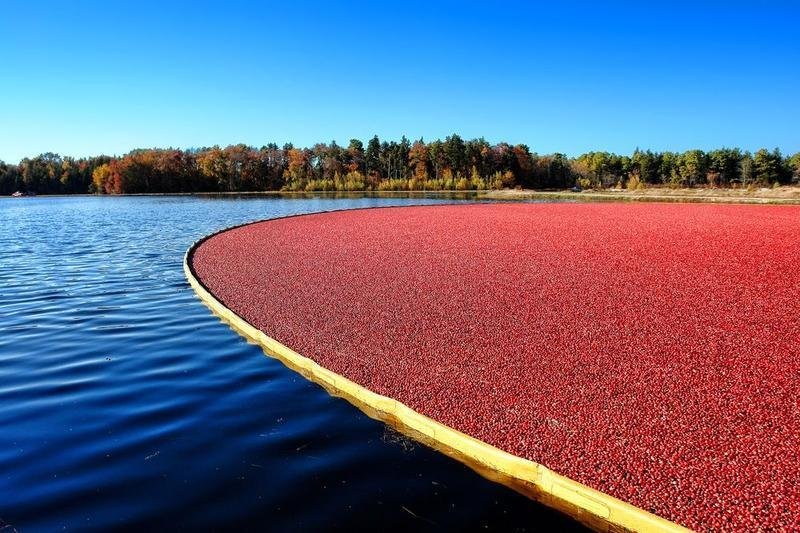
(593, 508)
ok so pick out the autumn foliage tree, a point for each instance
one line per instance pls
(450, 164)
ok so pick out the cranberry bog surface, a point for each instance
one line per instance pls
(648, 351)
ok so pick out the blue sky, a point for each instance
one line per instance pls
(84, 78)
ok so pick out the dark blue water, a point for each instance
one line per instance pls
(124, 403)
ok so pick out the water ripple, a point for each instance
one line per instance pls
(125, 404)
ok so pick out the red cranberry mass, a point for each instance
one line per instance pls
(650, 351)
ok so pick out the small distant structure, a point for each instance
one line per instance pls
(20, 194)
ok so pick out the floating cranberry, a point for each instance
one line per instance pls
(649, 351)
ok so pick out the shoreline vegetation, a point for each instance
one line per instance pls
(509, 171)
(772, 195)
(788, 195)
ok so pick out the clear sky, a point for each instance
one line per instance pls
(85, 78)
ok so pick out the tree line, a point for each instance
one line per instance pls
(449, 164)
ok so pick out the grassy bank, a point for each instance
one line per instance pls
(777, 195)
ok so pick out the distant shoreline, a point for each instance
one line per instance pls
(777, 196)
(399, 194)
(780, 195)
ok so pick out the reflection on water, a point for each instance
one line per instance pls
(124, 403)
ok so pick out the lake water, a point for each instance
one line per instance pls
(125, 404)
